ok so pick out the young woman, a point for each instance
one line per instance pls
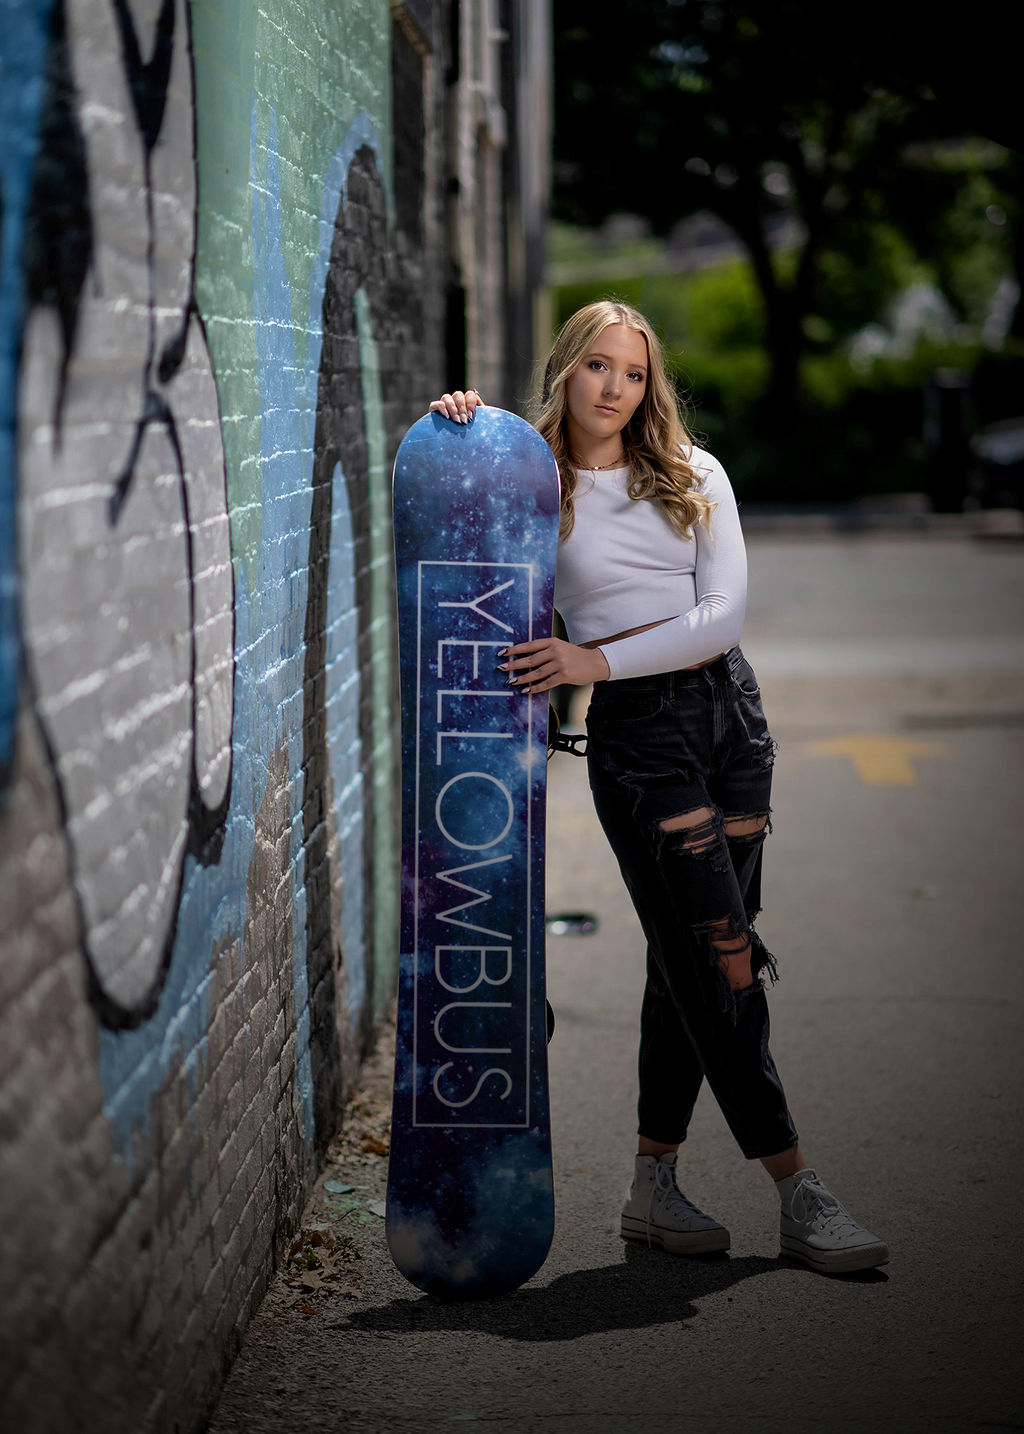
(651, 586)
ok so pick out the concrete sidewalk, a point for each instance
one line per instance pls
(891, 881)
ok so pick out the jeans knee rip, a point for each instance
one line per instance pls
(710, 935)
(702, 838)
(752, 838)
(720, 940)
(762, 962)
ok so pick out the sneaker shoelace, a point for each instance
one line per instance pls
(818, 1202)
(665, 1192)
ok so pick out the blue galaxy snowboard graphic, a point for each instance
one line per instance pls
(470, 1208)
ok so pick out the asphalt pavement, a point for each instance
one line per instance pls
(892, 668)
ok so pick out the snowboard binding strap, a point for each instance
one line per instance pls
(575, 743)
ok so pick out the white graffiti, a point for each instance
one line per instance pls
(125, 558)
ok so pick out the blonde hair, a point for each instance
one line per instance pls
(656, 443)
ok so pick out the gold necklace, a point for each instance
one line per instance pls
(620, 462)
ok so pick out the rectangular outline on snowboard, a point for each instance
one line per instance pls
(468, 1124)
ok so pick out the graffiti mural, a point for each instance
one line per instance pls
(23, 68)
(364, 298)
(212, 335)
(201, 610)
(125, 571)
(230, 275)
(329, 406)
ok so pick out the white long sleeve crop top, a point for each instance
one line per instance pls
(624, 565)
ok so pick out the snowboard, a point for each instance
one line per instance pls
(470, 1207)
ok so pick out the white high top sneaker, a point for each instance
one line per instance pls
(818, 1230)
(656, 1212)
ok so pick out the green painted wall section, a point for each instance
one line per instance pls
(381, 586)
(304, 74)
(318, 68)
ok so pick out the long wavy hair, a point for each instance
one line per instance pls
(655, 440)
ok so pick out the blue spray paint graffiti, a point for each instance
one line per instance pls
(286, 412)
(212, 916)
(24, 39)
(134, 1064)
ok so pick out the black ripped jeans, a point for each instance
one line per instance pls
(693, 742)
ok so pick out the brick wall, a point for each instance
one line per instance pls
(230, 248)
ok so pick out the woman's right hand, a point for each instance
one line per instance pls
(458, 406)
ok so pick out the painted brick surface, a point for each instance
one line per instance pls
(224, 294)
(235, 266)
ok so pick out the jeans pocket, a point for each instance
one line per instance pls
(744, 680)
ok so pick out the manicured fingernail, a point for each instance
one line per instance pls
(502, 666)
(502, 651)
(512, 681)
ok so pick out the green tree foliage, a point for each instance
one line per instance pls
(792, 114)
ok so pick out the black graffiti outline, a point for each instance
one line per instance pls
(58, 256)
(363, 257)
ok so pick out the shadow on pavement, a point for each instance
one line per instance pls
(647, 1289)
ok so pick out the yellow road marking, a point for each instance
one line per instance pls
(882, 759)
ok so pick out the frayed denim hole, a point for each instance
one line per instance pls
(748, 838)
(756, 985)
(711, 934)
(767, 753)
(762, 962)
(701, 839)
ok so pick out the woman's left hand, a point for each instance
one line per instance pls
(539, 666)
